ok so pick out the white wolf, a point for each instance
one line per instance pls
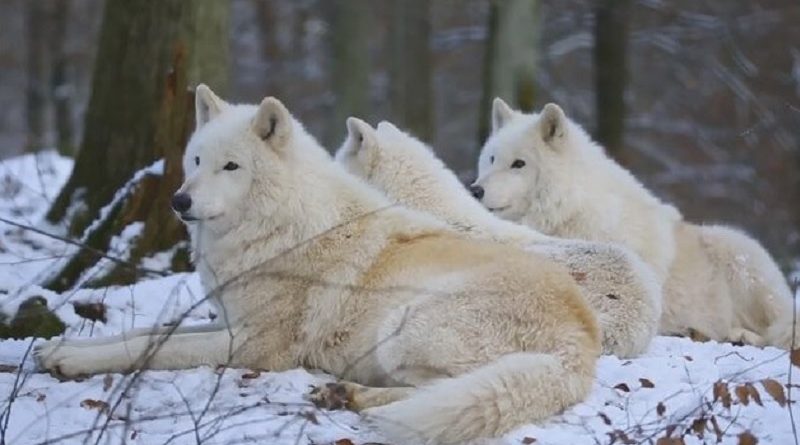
(622, 290)
(543, 170)
(314, 268)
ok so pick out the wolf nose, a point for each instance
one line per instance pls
(477, 191)
(181, 202)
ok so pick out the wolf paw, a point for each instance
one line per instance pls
(331, 396)
(59, 359)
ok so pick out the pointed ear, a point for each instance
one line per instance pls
(207, 105)
(501, 114)
(273, 123)
(552, 124)
(360, 134)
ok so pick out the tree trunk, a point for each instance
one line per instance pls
(35, 24)
(139, 113)
(510, 60)
(61, 86)
(349, 64)
(610, 50)
(411, 67)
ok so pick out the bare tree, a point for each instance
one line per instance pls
(410, 67)
(510, 60)
(610, 51)
(140, 111)
(61, 87)
(35, 23)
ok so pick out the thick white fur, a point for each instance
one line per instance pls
(718, 282)
(622, 290)
(311, 267)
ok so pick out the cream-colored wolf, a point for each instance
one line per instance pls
(445, 339)
(543, 170)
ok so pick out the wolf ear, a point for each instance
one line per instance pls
(207, 105)
(501, 114)
(273, 123)
(552, 124)
(360, 134)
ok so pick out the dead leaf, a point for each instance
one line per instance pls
(108, 380)
(794, 357)
(743, 394)
(97, 405)
(621, 437)
(605, 418)
(343, 442)
(134, 433)
(661, 409)
(746, 438)
(40, 397)
(528, 440)
(670, 441)
(647, 383)
(622, 387)
(775, 390)
(688, 358)
(754, 393)
(91, 311)
(699, 426)
(8, 368)
(579, 277)
(721, 393)
(251, 375)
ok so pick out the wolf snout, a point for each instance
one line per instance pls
(181, 202)
(477, 191)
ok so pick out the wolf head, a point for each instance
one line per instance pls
(523, 158)
(240, 162)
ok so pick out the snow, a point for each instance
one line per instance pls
(669, 387)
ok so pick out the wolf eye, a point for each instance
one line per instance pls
(197, 160)
(491, 159)
(518, 163)
(230, 166)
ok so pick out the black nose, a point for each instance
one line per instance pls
(181, 202)
(476, 190)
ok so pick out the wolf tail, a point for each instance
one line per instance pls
(489, 401)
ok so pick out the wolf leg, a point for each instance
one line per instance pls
(355, 397)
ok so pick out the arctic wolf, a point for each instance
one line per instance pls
(543, 170)
(622, 290)
(441, 339)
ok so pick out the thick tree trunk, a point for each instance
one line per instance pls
(510, 60)
(35, 24)
(411, 94)
(349, 64)
(610, 50)
(138, 113)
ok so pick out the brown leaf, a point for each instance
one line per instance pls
(605, 418)
(134, 433)
(688, 358)
(746, 438)
(622, 387)
(699, 426)
(8, 368)
(754, 393)
(743, 394)
(91, 311)
(721, 393)
(108, 380)
(794, 357)
(40, 397)
(717, 429)
(661, 409)
(646, 383)
(343, 442)
(528, 440)
(670, 441)
(251, 375)
(579, 277)
(775, 389)
(98, 405)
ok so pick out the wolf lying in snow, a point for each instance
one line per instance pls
(544, 171)
(622, 290)
(313, 268)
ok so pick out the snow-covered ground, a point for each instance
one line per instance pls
(703, 392)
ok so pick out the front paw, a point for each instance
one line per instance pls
(60, 359)
(332, 396)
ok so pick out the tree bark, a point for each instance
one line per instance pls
(510, 61)
(610, 51)
(140, 111)
(35, 24)
(61, 85)
(410, 68)
(349, 64)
